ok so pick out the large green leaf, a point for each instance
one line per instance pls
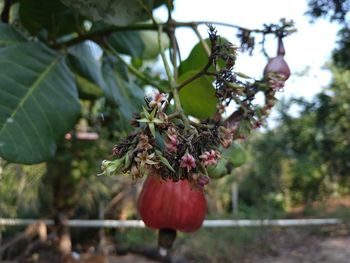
(48, 15)
(87, 90)
(150, 40)
(198, 58)
(9, 35)
(198, 97)
(128, 42)
(120, 90)
(117, 12)
(82, 58)
(38, 102)
(139, 44)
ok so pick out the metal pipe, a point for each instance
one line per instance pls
(206, 223)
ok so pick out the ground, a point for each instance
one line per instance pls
(289, 246)
(282, 245)
(314, 249)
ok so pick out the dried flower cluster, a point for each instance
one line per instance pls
(168, 144)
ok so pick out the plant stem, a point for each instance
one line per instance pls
(171, 78)
(162, 54)
(179, 109)
(171, 33)
(174, 115)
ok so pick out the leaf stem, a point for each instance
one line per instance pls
(164, 59)
(171, 33)
(171, 78)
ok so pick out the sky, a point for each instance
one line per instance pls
(308, 49)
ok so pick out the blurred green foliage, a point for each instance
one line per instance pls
(306, 156)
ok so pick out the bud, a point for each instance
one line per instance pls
(277, 67)
(188, 162)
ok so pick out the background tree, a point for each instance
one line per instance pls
(335, 10)
(310, 147)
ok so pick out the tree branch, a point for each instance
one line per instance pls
(98, 34)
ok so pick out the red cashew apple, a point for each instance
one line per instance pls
(170, 206)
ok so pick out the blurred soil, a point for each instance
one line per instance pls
(298, 248)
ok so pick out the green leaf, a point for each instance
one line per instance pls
(112, 168)
(198, 97)
(153, 113)
(235, 154)
(138, 44)
(197, 58)
(128, 159)
(152, 128)
(164, 161)
(151, 46)
(128, 42)
(49, 16)
(218, 171)
(146, 113)
(117, 12)
(120, 90)
(157, 121)
(144, 120)
(39, 102)
(9, 35)
(82, 58)
(87, 90)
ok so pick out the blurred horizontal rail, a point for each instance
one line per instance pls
(206, 223)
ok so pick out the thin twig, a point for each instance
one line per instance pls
(162, 54)
(171, 33)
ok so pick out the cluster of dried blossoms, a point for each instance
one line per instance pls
(163, 146)
(166, 145)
